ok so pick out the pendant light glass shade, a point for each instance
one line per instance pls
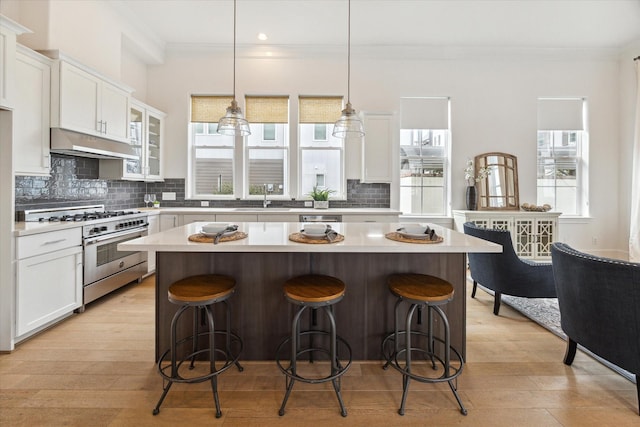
(233, 122)
(349, 124)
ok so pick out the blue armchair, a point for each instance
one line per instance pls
(599, 301)
(506, 273)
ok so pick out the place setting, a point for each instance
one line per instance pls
(316, 233)
(415, 233)
(218, 232)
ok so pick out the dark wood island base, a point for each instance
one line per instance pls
(262, 317)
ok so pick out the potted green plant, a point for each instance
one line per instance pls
(320, 197)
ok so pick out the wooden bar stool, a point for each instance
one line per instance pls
(421, 290)
(313, 291)
(200, 292)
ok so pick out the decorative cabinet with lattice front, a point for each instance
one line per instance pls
(531, 232)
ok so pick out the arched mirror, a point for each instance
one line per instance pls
(499, 191)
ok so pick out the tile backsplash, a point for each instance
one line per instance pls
(74, 181)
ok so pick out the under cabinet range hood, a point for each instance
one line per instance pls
(78, 144)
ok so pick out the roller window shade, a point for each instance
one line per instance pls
(424, 113)
(209, 109)
(560, 114)
(267, 109)
(319, 109)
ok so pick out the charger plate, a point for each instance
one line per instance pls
(201, 238)
(394, 235)
(301, 238)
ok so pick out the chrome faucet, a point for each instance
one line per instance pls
(265, 202)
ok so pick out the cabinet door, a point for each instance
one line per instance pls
(153, 146)
(134, 168)
(278, 218)
(49, 286)
(114, 112)
(154, 227)
(370, 218)
(7, 62)
(377, 148)
(524, 237)
(168, 222)
(188, 218)
(79, 100)
(31, 137)
(545, 236)
(236, 217)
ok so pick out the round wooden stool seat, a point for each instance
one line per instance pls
(204, 289)
(314, 288)
(421, 287)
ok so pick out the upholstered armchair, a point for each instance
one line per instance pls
(506, 273)
(599, 301)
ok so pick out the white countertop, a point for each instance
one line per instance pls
(274, 237)
(276, 210)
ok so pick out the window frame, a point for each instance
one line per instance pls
(570, 120)
(313, 115)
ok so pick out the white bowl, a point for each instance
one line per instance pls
(414, 229)
(315, 228)
(214, 227)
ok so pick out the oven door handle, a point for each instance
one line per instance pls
(113, 236)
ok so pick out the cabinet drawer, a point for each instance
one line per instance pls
(36, 244)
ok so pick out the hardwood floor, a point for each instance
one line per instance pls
(97, 369)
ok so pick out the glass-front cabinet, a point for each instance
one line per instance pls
(146, 138)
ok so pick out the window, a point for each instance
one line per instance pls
(269, 132)
(424, 156)
(560, 155)
(321, 154)
(267, 148)
(211, 156)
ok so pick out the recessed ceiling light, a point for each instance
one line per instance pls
(262, 36)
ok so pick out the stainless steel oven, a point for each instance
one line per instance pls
(106, 268)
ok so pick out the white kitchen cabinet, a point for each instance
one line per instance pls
(48, 278)
(8, 32)
(85, 102)
(31, 138)
(232, 217)
(532, 233)
(278, 218)
(370, 218)
(189, 218)
(146, 134)
(169, 221)
(154, 227)
(377, 147)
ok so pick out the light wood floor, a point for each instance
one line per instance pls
(96, 369)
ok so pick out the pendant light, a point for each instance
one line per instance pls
(233, 123)
(349, 124)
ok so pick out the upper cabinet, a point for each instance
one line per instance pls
(146, 132)
(377, 148)
(85, 102)
(8, 31)
(31, 139)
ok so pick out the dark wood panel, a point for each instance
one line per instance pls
(262, 316)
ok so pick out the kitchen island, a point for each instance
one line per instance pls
(266, 258)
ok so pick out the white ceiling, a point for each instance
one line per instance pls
(546, 24)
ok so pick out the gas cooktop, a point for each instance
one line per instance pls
(79, 213)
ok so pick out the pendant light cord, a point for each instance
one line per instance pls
(349, 54)
(234, 50)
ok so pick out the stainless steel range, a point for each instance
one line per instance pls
(105, 268)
